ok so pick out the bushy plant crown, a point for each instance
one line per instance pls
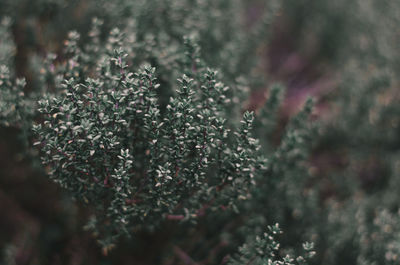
(140, 129)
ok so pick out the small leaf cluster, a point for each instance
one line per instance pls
(264, 250)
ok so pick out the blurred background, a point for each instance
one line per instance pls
(343, 53)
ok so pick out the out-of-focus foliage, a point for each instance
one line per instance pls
(337, 31)
(356, 163)
(16, 109)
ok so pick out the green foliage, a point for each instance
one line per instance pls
(16, 109)
(264, 251)
(141, 117)
(106, 140)
(338, 31)
(366, 204)
(7, 50)
(143, 146)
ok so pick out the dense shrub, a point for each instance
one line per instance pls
(139, 112)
